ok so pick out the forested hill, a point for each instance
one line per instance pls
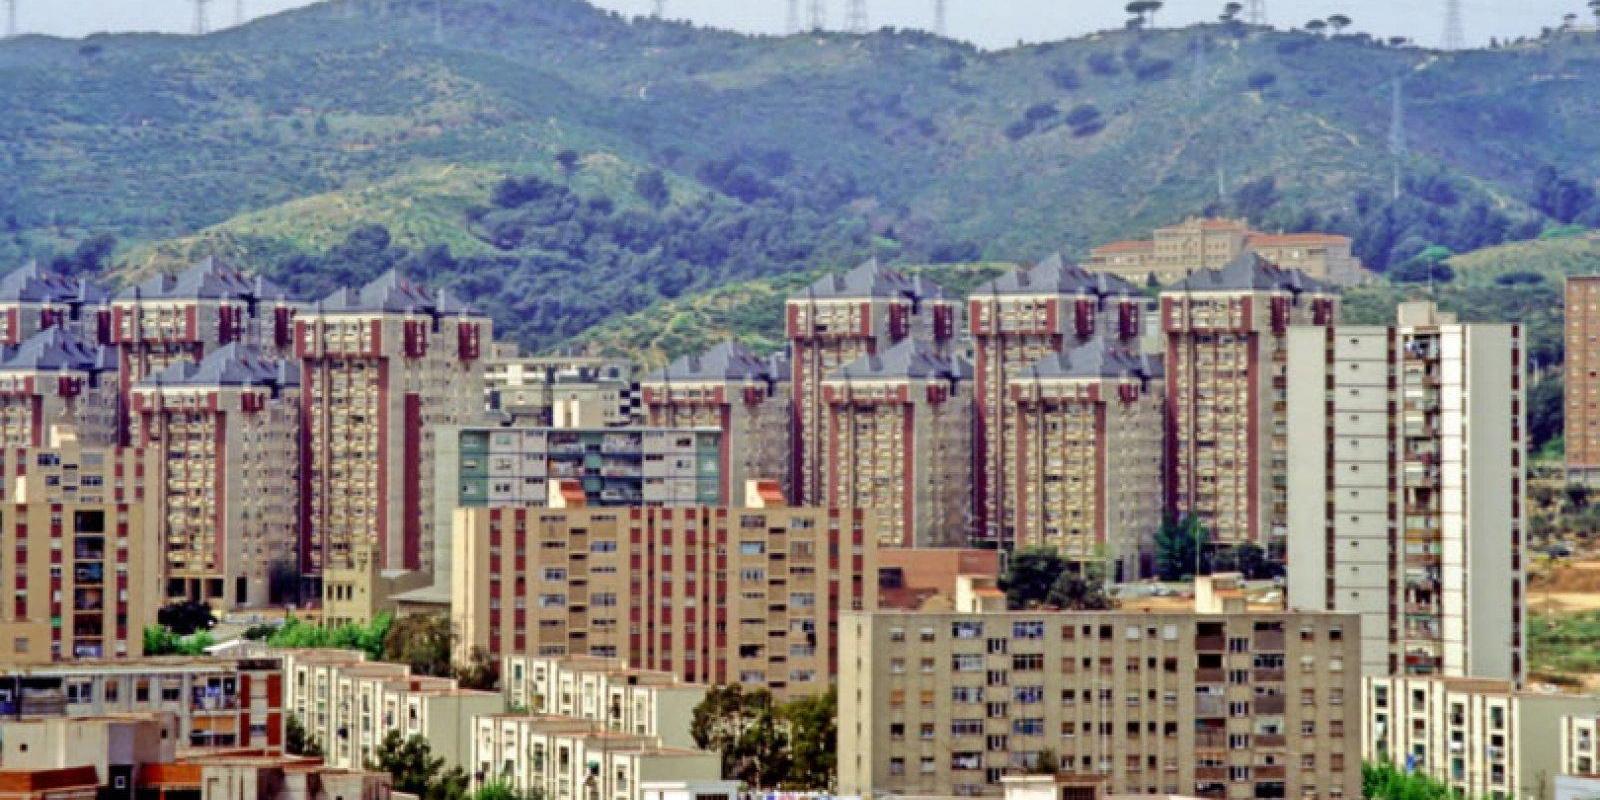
(648, 160)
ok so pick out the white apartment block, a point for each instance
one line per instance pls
(573, 759)
(643, 702)
(1406, 486)
(1483, 738)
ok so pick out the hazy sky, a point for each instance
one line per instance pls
(991, 23)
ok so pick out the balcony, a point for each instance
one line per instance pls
(1267, 675)
(1269, 704)
(1213, 740)
(1270, 740)
(1209, 675)
(1210, 644)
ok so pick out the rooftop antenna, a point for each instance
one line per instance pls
(856, 17)
(792, 23)
(1397, 133)
(940, 7)
(11, 19)
(1257, 13)
(819, 15)
(1454, 36)
(202, 25)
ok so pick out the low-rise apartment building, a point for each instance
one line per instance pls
(604, 690)
(562, 758)
(712, 594)
(1206, 243)
(349, 705)
(1481, 737)
(215, 704)
(1235, 705)
(559, 391)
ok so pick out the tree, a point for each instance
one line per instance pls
(1178, 545)
(1545, 411)
(1075, 592)
(1577, 497)
(1230, 12)
(1316, 26)
(1044, 762)
(1144, 11)
(568, 160)
(500, 789)
(297, 741)
(652, 188)
(185, 617)
(481, 672)
(1261, 81)
(742, 727)
(420, 641)
(813, 729)
(1386, 782)
(414, 768)
(161, 641)
(1030, 575)
(1338, 22)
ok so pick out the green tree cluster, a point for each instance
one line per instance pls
(297, 741)
(1040, 576)
(297, 633)
(765, 744)
(414, 769)
(162, 641)
(1386, 782)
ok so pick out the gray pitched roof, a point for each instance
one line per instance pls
(910, 359)
(1055, 276)
(1096, 358)
(872, 279)
(55, 350)
(233, 365)
(728, 361)
(1248, 272)
(206, 280)
(30, 284)
(391, 293)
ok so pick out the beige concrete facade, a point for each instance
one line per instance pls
(1223, 706)
(1406, 490)
(349, 705)
(1479, 736)
(382, 368)
(1226, 364)
(714, 595)
(56, 378)
(1582, 384)
(1088, 458)
(559, 391)
(81, 567)
(217, 704)
(1203, 243)
(222, 440)
(1580, 743)
(571, 759)
(604, 690)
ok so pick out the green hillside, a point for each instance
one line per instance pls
(319, 145)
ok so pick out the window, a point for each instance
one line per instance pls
(1028, 629)
(966, 630)
(966, 727)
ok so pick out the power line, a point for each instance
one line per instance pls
(939, 21)
(819, 15)
(1257, 13)
(1455, 37)
(856, 17)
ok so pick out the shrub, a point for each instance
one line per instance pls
(1260, 81)
(1159, 69)
(1103, 64)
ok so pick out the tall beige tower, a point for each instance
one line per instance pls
(1406, 490)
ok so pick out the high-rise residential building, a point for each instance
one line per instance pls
(55, 378)
(741, 394)
(1480, 737)
(80, 571)
(1016, 320)
(182, 317)
(1203, 243)
(563, 391)
(222, 439)
(642, 702)
(1582, 384)
(1235, 705)
(1087, 457)
(1227, 336)
(349, 705)
(383, 368)
(898, 444)
(838, 320)
(714, 595)
(32, 300)
(1406, 490)
(219, 703)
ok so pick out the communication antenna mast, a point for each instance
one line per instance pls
(856, 17)
(791, 23)
(940, 7)
(11, 19)
(202, 24)
(238, 12)
(1455, 37)
(1257, 13)
(1397, 133)
(819, 15)
(659, 9)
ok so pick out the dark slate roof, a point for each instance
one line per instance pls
(911, 359)
(729, 361)
(233, 365)
(1096, 358)
(1248, 272)
(1055, 276)
(206, 280)
(54, 349)
(30, 284)
(391, 293)
(872, 279)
